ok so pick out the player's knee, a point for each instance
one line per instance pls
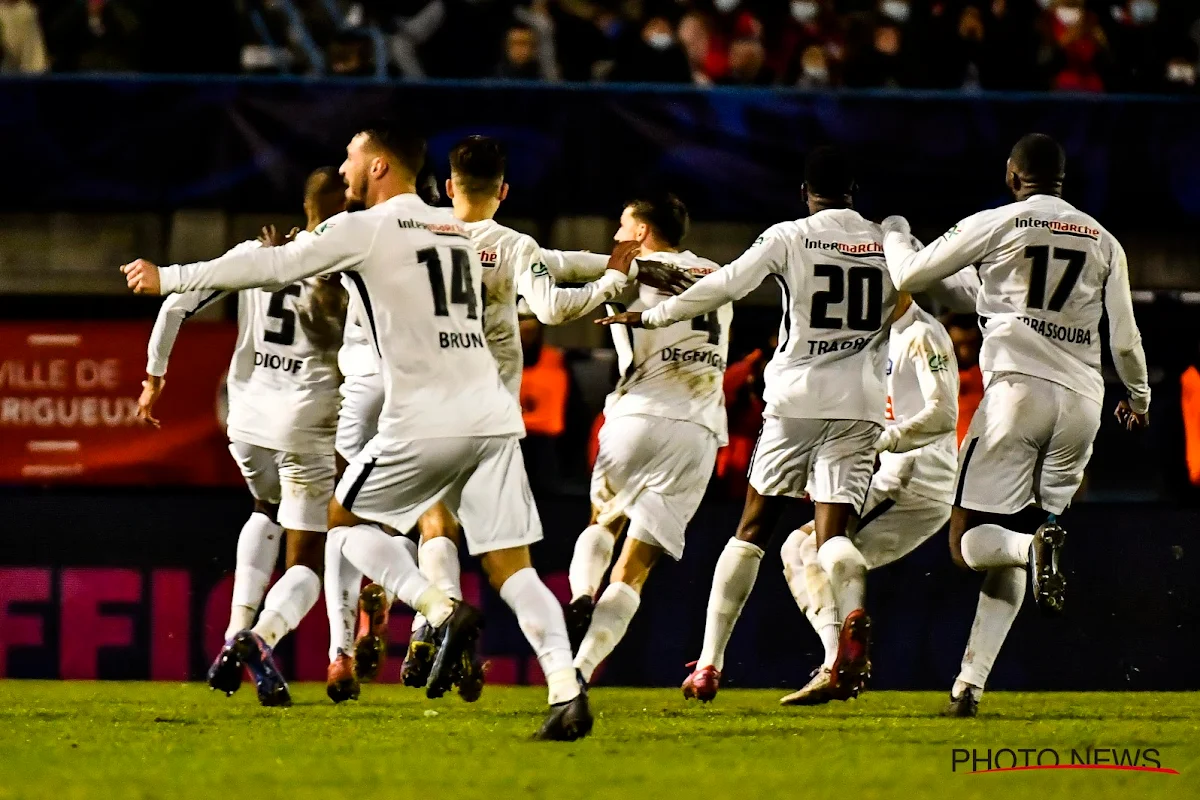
(306, 549)
(500, 565)
(270, 509)
(339, 517)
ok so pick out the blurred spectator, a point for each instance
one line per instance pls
(1010, 46)
(747, 64)
(876, 56)
(520, 61)
(809, 24)
(730, 22)
(1181, 74)
(814, 68)
(544, 388)
(22, 47)
(1074, 52)
(655, 57)
(694, 38)
(1140, 44)
(98, 36)
(964, 332)
(744, 406)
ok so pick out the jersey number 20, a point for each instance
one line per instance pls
(861, 288)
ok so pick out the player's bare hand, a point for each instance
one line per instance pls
(664, 277)
(151, 388)
(270, 237)
(1129, 419)
(623, 255)
(142, 277)
(631, 318)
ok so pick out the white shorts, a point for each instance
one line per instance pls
(892, 527)
(653, 471)
(481, 480)
(826, 460)
(1028, 444)
(300, 483)
(358, 415)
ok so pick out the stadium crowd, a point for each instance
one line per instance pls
(1069, 45)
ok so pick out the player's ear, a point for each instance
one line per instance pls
(503, 192)
(449, 188)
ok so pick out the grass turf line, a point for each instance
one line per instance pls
(114, 741)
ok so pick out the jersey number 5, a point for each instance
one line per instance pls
(864, 304)
(277, 309)
(1040, 256)
(461, 291)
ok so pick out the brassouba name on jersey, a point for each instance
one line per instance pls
(1059, 333)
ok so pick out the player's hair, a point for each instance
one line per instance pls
(828, 173)
(324, 180)
(427, 186)
(1039, 159)
(399, 141)
(664, 213)
(477, 164)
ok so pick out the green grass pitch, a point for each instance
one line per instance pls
(140, 740)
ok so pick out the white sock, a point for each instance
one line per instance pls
(342, 584)
(811, 589)
(411, 546)
(987, 546)
(847, 571)
(737, 569)
(793, 568)
(257, 552)
(999, 601)
(541, 620)
(593, 553)
(388, 562)
(289, 600)
(438, 559)
(610, 620)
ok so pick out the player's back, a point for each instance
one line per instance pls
(421, 294)
(676, 372)
(1042, 295)
(838, 304)
(503, 253)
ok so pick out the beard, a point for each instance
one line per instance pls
(356, 194)
(355, 205)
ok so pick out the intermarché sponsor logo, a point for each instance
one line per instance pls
(986, 760)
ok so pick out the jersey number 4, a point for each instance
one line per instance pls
(1040, 256)
(861, 288)
(711, 323)
(461, 291)
(277, 309)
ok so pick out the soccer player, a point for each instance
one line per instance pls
(448, 431)
(282, 410)
(911, 492)
(825, 399)
(663, 424)
(512, 265)
(1048, 273)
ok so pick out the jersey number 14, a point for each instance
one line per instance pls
(461, 291)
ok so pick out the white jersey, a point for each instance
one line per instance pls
(282, 380)
(513, 265)
(922, 407)
(837, 307)
(677, 371)
(419, 282)
(1048, 272)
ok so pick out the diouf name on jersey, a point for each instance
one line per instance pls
(857, 249)
(709, 357)
(1059, 333)
(281, 363)
(1055, 226)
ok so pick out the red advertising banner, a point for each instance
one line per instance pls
(68, 405)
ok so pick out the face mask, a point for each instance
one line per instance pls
(897, 10)
(661, 40)
(1143, 12)
(1181, 73)
(805, 11)
(817, 74)
(725, 6)
(1068, 16)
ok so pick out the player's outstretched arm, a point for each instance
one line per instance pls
(174, 311)
(556, 305)
(575, 266)
(937, 375)
(1125, 341)
(334, 248)
(914, 270)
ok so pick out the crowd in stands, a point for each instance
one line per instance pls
(1070, 45)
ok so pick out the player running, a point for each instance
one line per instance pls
(448, 431)
(911, 492)
(663, 424)
(1048, 274)
(282, 408)
(825, 399)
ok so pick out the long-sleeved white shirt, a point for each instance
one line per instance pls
(1048, 272)
(282, 385)
(837, 307)
(418, 280)
(922, 408)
